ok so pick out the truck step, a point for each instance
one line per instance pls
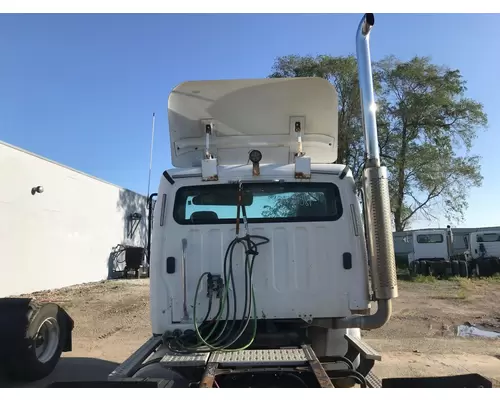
(269, 360)
(373, 381)
(272, 357)
(185, 360)
(364, 348)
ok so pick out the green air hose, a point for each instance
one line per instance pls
(225, 339)
(249, 270)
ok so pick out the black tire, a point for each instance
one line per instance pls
(448, 269)
(477, 268)
(462, 267)
(411, 269)
(418, 268)
(455, 268)
(425, 268)
(33, 340)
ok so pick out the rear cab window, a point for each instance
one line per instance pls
(263, 202)
(430, 238)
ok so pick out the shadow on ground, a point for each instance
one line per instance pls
(72, 369)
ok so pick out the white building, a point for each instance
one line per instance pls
(58, 225)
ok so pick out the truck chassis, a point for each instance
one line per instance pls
(294, 367)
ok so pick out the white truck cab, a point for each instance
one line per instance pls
(430, 244)
(433, 254)
(303, 207)
(484, 244)
(484, 252)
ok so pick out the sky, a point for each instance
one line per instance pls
(81, 89)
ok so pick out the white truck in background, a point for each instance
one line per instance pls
(483, 255)
(433, 253)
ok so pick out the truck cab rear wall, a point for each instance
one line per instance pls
(301, 258)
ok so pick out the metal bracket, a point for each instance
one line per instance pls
(209, 170)
(297, 129)
(208, 127)
(302, 167)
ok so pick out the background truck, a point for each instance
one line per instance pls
(483, 256)
(433, 253)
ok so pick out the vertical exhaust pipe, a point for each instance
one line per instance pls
(376, 197)
(375, 182)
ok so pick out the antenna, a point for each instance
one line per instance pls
(151, 153)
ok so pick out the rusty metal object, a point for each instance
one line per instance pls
(255, 169)
(316, 367)
(207, 381)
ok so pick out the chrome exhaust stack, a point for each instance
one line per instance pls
(376, 197)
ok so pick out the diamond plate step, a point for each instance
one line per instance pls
(271, 357)
(373, 381)
(185, 360)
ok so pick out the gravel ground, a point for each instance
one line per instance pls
(112, 321)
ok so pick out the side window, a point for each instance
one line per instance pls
(488, 237)
(263, 203)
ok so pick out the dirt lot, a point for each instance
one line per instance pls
(112, 320)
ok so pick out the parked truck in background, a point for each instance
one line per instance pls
(432, 253)
(483, 255)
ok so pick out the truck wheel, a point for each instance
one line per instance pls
(35, 341)
(462, 266)
(455, 267)
(417, 268)
(477, 271)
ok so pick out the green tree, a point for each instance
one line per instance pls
(342, 73)
(430, 127)
(426, 128)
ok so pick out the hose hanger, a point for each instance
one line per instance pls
(241, 209)
(239, 201)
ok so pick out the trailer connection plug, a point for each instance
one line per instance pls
(214, 285)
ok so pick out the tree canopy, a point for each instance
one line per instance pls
(426, 126)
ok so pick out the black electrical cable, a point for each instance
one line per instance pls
(248, 269)
(223, 334)
(220, 342)
(250, 248)
(296, 378)
(336, 359)
(217, 340)
(245, 317)
(346, 373)
(207, 315)
(248, 277)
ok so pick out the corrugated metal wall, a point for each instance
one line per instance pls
(63, 236)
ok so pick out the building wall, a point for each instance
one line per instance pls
(63, 236)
